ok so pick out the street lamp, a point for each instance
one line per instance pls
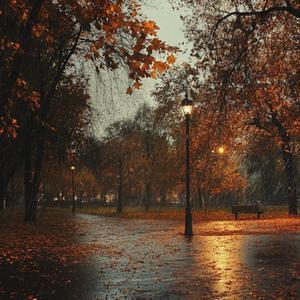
(187, 107)
(73, 189)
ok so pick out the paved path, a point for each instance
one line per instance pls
(152, 260)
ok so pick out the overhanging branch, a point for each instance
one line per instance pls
(260, 13)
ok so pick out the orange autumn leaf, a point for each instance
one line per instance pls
(171, 59)
(153, 74)
(135, 65)
(129, 91)
(157, 43)
(137, 85)
(160, 66)
(150, 27)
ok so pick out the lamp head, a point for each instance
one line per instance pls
(187, 105)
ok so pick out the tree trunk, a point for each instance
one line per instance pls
(32, 175)
(4, 180)
(163, 198)
(199, 198)
(289, 165)
(120, 189)
(120, 200)
(30, 205)
(81, 199)
(290, 173)
(7, 171)
(12, 191)
(31, 191)
(3, 193)
(148, 196)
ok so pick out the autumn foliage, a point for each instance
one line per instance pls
(245, 66)
(107, 33)
(42, 42)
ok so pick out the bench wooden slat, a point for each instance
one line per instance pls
(247, 208)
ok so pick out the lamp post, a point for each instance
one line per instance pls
(73, 189)
(187, 107)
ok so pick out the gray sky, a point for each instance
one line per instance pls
(110, 99)
(169, 22)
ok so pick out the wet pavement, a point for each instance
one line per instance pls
(153, 260)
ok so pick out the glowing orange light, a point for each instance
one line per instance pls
(221, 150)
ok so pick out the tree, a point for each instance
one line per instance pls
(216, 167)
(151, 143)
(212, 174)
(120, 152)
(92, 156)
(107, 33)
(49, 35)
(246, 52)
(265, 171)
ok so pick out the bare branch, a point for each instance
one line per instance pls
(261, 13)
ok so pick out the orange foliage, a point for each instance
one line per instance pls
(52, 240)
(109, 33)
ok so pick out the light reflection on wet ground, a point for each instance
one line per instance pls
(151, 259)
(154, 261)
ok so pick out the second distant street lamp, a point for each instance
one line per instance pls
(73, 189)
(187, 108)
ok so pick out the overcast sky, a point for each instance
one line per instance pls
(169, 22)
(110, 100)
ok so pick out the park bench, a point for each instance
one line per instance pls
(247, 209)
